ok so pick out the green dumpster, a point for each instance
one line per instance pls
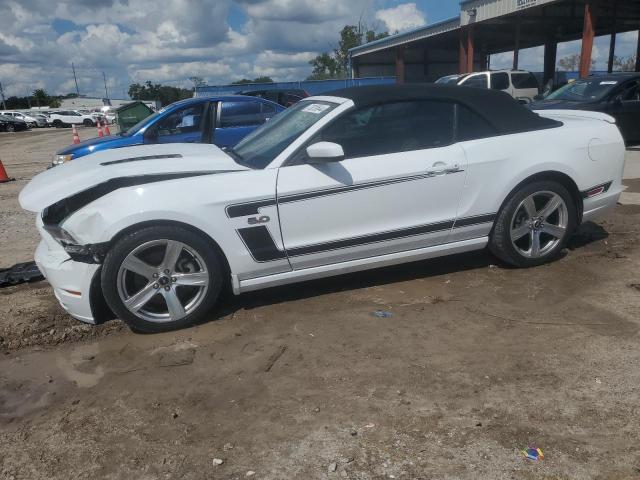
(130, 114)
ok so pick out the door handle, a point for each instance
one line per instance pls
(441, 168)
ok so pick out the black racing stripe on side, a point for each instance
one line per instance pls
(607, 186)
(56, 213)
(374, 238)
(350, 188)
(138, 159)
(260, 244)
(476, 220)
(249, 208)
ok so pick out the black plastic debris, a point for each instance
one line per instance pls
(20, 273)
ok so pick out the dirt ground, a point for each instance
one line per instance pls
(477, 362)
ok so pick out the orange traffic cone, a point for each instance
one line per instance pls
(107, 132)
(4, 178)
(76, 137)
(100, 134)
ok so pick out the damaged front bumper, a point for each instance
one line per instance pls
(71, 280)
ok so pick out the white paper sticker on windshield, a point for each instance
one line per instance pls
(609, 82)
(315, 108)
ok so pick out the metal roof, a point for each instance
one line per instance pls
(472, 11)
(419, 33)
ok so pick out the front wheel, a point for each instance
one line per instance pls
(534, 224)
(88, 123)
(161, 278)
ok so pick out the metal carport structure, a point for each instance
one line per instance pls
(486, 27)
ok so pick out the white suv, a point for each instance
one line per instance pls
(62, 118)
(520, 84)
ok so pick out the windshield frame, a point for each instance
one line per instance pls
(562, 90)
(341, 104)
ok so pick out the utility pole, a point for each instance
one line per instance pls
(104, 78)
(4, 105)
(73, 67)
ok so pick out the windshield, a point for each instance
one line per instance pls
(449, 80)
(142, 123)
(587, 90)
(258, 149)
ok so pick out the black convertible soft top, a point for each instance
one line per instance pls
(498, 108)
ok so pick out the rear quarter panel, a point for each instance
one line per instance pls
(497, 165)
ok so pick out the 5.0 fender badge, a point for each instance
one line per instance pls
(257, 220)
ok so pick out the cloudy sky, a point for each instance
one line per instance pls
(171, 40)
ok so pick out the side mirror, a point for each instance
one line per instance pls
(325, 152)
(151, 134)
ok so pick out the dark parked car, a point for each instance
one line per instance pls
(11, 124)
(285, 97)
(615, 94)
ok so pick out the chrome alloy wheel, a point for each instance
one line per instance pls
(162, 281)
(539, 224)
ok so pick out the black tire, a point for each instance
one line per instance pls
(127, 244)
(88, 123)
(10, 128)
(500, 242)
(57, 123)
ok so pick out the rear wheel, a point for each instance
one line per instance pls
(10, 127)
(161, 278)
(57, 123)
(534, 224)
(87, 123)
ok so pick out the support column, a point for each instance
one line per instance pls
(612, 44)
(516, 50)
(355, 68)
(638, 54)
(588, 34)
(550, 57)
(462, 68)
(400, 65)
(470, 49)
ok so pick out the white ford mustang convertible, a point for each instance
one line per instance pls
(357, 179)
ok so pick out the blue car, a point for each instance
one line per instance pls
(223, 121)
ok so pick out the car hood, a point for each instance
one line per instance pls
(557, 105)
(150, 161)
(88, 143)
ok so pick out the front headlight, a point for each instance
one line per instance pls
(61, 236)
(60, 159)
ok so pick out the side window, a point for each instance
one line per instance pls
(524, 80)
(392, 127)
(471, 126)
(499, 81)
(184, 120)
(240, 114)
(476, 81)
(631, 92)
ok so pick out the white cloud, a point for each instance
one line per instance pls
(402, 17)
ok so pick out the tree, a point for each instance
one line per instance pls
(197, 82)
(244, 81)
(165, 94)
(571, 63)
(336, 65)
(624, 64)
(41, 97)
(324, 66)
